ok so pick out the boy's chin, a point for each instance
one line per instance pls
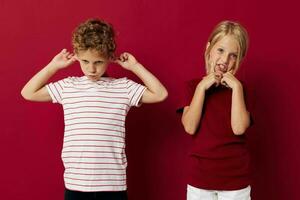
(93, 78)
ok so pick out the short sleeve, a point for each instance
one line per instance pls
(55, 90)
(249, 101)
(186, 94)
(135, 92)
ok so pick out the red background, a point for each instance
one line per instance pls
(168, 37)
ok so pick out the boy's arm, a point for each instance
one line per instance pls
(155, 91)
(35, 89)
(240, 117)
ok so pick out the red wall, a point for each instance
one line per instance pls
(168, 37)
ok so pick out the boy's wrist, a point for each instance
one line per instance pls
(52, 67)
(135, 67)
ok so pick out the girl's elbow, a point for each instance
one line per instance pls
(188, 128)
(239, 130)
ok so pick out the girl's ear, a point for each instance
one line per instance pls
(207, 45)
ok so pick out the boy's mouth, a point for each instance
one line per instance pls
(93, 77)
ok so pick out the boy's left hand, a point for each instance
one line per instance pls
(127, 61)
(229, 80)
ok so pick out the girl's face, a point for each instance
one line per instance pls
(223, 55)
(92, 63)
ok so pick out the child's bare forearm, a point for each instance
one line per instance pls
(157, 91)
(240, 119)
(192, 114)
(38, 81)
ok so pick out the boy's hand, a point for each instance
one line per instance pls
(229, 80)
(63, 59)
(127, 61)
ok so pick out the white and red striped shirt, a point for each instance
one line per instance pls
(94, 140)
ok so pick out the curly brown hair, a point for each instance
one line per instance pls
(95, 34)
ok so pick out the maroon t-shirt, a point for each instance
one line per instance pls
(218, 159)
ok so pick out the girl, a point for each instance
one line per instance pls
(217, 117)
(95, 109)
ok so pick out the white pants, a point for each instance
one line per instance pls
(194, 193)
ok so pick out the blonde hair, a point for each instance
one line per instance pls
(223, 29)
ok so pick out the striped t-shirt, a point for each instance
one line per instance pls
(94, 140)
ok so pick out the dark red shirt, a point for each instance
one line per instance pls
(218, 159)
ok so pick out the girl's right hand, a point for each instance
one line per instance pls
(63, 59)
(210, 79)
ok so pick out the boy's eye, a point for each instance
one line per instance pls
(85, 61)
(99, 62)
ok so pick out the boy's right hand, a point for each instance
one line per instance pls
(63, 59)
(210, 79)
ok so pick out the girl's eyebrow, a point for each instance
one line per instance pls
(220, 46)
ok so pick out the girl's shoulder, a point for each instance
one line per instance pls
(192, 83)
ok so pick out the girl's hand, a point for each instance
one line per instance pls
(229, 80)
(127, 61)
(210, 79)
(63, 59)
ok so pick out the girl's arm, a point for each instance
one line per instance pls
(192, 114)
(35, 89)
(155, 91)
(240, 117)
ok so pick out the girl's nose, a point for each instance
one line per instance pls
(225, 59)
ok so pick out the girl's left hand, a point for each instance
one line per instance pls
(229, 80)
(127, 61)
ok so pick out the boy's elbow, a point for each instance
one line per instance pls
(162, 96)
(24, 95)
(27, 96)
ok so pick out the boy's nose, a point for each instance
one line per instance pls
(91, 69)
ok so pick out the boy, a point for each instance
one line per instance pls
(95, 109)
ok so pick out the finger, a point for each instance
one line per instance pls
(69, 56)
(122, 57)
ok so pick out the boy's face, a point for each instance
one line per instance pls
(223, 55)
(92, 63)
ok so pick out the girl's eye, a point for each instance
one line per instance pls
(234, 56)
(85, 61)
(220, 50)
